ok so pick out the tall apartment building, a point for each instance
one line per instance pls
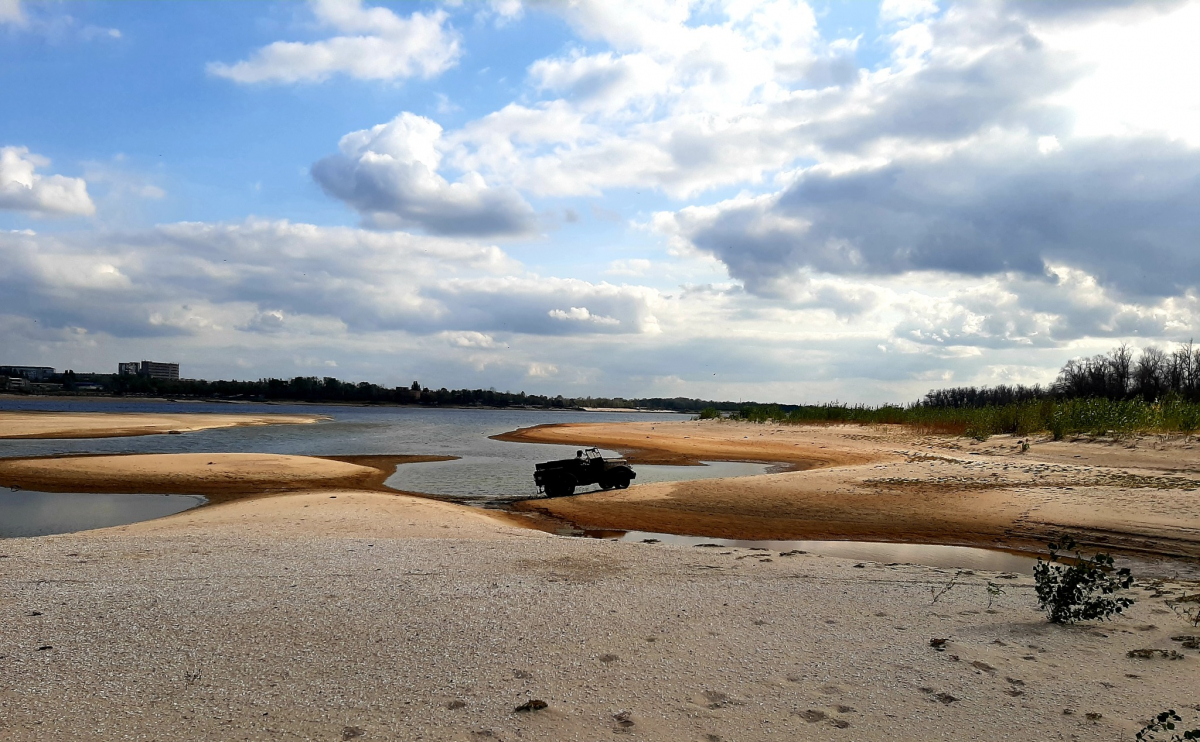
(150, 369)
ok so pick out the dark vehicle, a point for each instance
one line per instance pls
(560, 478)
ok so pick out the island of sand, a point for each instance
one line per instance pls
(35, 424)
(317, 604)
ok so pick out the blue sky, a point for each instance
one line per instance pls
(776, 200)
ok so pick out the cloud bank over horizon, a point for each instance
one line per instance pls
(720, 200)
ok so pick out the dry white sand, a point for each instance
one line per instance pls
(25, 424)
(364, 615)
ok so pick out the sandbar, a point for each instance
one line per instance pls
(36, 424)
(886, 483)
(221, 477)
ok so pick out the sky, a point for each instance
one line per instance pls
(772, 201)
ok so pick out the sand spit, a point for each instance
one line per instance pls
(887, 484)
(219, 476)
(669, 443)
(360, 615)
(117, 425)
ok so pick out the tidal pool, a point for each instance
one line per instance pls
(27, 513)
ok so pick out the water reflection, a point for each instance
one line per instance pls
(26, 513)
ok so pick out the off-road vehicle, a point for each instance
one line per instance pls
(560, 478)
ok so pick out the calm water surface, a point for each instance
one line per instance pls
(485, 468)
(25, 513)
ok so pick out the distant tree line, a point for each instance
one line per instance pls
(1154, 374)
(1111, 394)
(329, 389)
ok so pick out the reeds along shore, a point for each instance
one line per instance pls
(1112, 394)
(1061, 418)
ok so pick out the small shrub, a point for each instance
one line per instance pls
(1082, 591)
(1165, 722)
(709, 413)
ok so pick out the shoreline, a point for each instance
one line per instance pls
(876, 484)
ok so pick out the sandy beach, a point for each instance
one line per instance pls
(315, 604)
(338, 616)
(21, 424)
(888, 484)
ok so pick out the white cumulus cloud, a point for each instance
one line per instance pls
(389, 173)
(22, 188)
(581, 314)
(374, 44)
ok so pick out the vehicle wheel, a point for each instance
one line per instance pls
(560, 489)
(621, 481)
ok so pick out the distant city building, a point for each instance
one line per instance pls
(150, 369)
(33, 373)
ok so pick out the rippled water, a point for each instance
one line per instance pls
(25, 513)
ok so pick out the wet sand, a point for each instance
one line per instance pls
(15, 424)
(888, 484)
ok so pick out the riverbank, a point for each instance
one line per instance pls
(885, 483)
(33, 424)
(315, 603)
(339, 615)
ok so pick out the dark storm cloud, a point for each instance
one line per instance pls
(1124, 210)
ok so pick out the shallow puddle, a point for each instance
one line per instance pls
(28, 513)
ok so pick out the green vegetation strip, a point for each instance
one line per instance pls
(1061, 418)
